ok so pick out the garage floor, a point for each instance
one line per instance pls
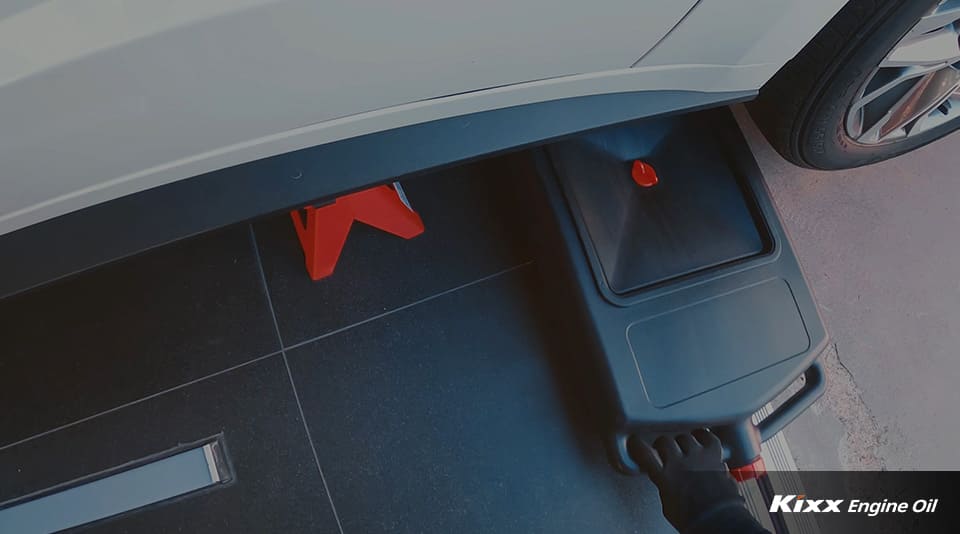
(421, 388)
(880, 249)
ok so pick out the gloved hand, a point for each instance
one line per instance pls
(688, 469)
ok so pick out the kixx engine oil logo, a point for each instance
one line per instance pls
(792, 504)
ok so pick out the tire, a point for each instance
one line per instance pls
(804, 109)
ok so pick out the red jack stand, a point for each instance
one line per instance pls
(327, 227)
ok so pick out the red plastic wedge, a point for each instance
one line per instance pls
(324, 233)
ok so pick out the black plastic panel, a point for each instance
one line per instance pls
(686, 342)
(699, 321)
(697, 217)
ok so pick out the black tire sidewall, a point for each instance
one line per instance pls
(823, 141)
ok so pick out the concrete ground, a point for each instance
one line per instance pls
(881, 248)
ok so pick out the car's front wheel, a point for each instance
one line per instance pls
(882, 78)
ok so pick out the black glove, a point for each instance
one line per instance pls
(696, 490)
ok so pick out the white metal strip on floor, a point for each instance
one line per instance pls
(777, 457)
(120, 492)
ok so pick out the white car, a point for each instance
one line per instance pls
(195, 113)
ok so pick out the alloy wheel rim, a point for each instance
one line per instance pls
(916, 87)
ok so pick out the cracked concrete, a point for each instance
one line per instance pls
(861, 442)
(881, 249)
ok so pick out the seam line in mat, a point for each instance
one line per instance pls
(136, 401)
(409, 305)
(293, 385)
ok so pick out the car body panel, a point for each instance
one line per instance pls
(101, 233)
(742, 32)
(101, 90)
(104, 98)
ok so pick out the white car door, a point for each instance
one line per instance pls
(99, 93)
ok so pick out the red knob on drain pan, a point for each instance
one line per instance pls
(643, 174)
